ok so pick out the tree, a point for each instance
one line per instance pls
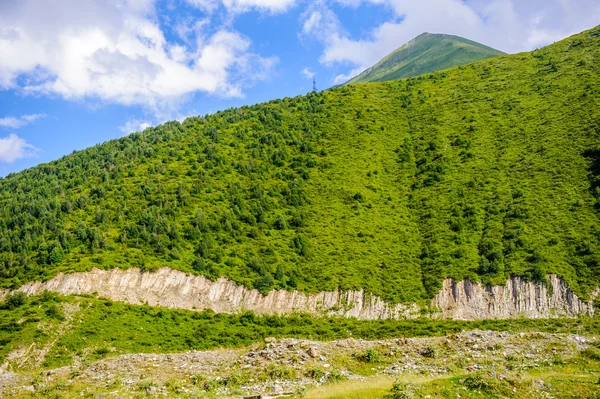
(264, 284)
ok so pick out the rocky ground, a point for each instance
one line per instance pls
(293, 366)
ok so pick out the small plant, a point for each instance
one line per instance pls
(316, 373)
(146, 385)
(276, 372)
(335, 376)
(476, 382)
(591, 353)
(429, 352)
(402, 390)
(102, 351)
(557, 360)
(233, 380)
(53, 311)
(198, 379)
(370, 356)
(211, 385)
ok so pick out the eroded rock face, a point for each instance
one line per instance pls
(456, 300)
(464, 300)
(175, 289)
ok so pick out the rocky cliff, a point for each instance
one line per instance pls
(465, 300)
(175, 289)
(456, 300)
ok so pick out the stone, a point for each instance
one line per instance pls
(151, 391)
(313, 352)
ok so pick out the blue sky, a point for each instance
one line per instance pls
(74, 73)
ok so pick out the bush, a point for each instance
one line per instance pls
(402, 390)
(15, 300)
(476, 382)
(429, 352)
(264, 284)
(370, 356)
(591, 353)
(315, 373)
(54, 312)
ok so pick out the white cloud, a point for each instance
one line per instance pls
(134, 125)
(17, 122)
(241, 6)
(307, 73)
(117, 52)
(12, 147)
(508, 25)
(344, 77)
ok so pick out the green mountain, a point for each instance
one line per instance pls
(482, 171)
(428, 52)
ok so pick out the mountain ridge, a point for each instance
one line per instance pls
(428, 52)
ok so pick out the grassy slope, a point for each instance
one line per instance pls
(424, 54)
(482, 171)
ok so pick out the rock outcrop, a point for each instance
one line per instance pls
(464, 300)
(456, 300)
(175, 289)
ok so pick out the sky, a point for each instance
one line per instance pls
(75, 73)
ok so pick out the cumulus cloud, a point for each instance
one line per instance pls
(508, 25)
(117, 52)
(12, 147)
(307, 73)
(20, 121)
(134, 125)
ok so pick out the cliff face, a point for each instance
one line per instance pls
(456, 300)
(175, 289)
(464, 300)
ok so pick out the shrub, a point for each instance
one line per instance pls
(264, 284)
(402, 390)
(102, 351)
(591, 353)
(476, 382)
(370, 356)
(315, 373)
(429, 352)
(54, 312)
(15, 300)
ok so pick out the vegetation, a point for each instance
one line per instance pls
(424, 54)
(76, 327)
(484, 171)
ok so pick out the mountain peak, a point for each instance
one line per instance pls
(426, 53)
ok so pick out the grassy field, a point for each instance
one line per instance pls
(574, 381)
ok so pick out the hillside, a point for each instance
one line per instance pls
(428, 52)
(482, 172)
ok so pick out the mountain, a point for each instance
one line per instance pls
(481, 172)
(428, 52)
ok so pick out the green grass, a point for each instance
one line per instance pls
(91, 329)
(575, 380)
(425, 54)
(483, 171)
